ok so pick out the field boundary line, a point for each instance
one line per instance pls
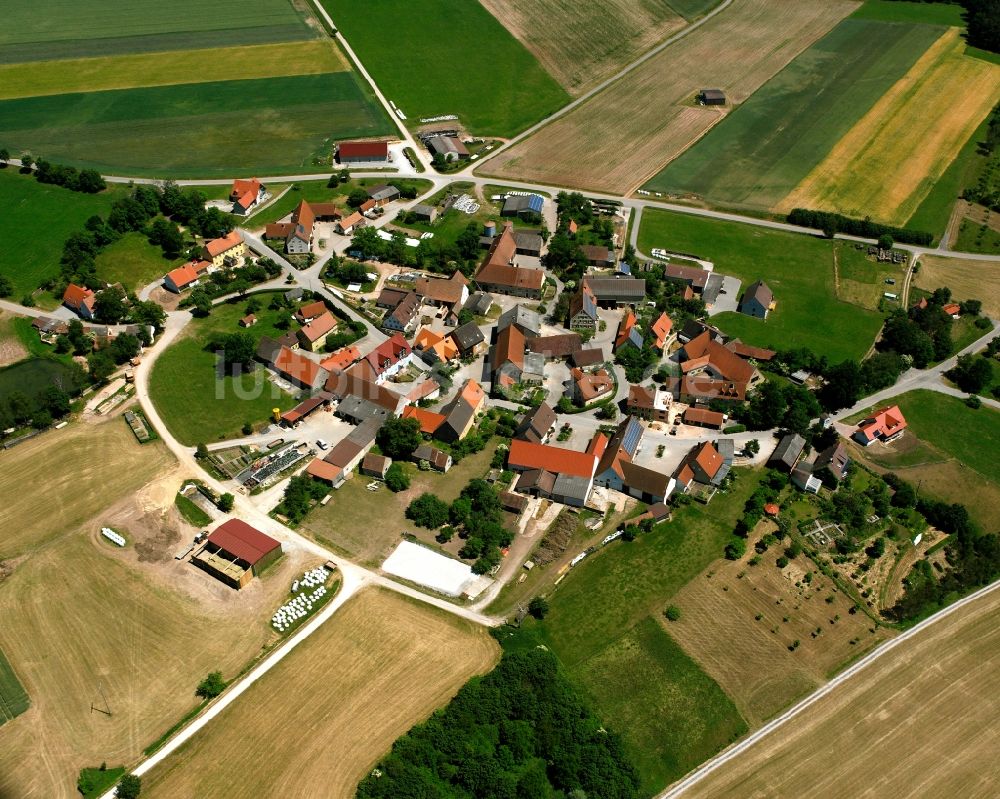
(350, 585)
(737, 749)
(601, 86)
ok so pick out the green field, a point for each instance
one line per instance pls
(973, 237)
(184, 388)
(133, 262)
(691, 9)
(13, 698)
(449, 57)
(934, 212)
(603, 627)
(52, 29)
(917, 12)
(204, 129)
(33, 375)
(767, 146)
(35, 220)
(318, 192)
(799, 270)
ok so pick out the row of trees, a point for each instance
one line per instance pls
(831, 224)
(88, 181)
(521, 731)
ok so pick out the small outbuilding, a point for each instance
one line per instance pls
(235, 552)
(712, 97)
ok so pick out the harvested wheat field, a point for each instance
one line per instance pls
(967, 279)
(78, 615)
(750, 657)
(317, 722)
(886, 164)
(73, 474)
(561, 34)
(11, 348)
(625, 134)
(919, 722)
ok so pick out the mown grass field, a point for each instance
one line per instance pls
(799, 270)
(72, 472)
(970, 436)
(692, 9)
(484, 75)
(194, 404)
(367, 525)
(168, 68)
(603, 625)
(53, 29)
(561, 35)
(937, 693)
(764, 148)
(35, 220)
(215, 128)
(14, 699)
(624, 135)
(133, 262)
(738, 622)
(967, 279)
(886, 164)
(323, 716)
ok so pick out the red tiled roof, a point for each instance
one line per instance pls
(496, 268)
(244, 187)
(226, 243)
(297, 367)
(728, 364)
(509, 347)
(526, 455)
(472, 393)
(75, 295)
(625, 327)
(661, 329)
(388, 353)
(884, 423)
(709, 459)
(319, 327)
(182, 276)
(747, 351)
(322, 470)
(952, 308)
(363, 149)
(703, 416)
(245, 542)
(429, 421)
(341, 359)
(311, 310)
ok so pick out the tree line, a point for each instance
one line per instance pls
(520, 732)
(831, 224)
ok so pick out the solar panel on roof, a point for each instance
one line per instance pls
(633, 432)
(535, 203)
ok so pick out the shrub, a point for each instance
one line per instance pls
(396, 478)
(673, 613)
(428, 511)
(538, 607)
(211, 686)
(736, 549)
(781, 562)
(129, 787)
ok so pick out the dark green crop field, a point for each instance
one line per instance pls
(202, 129)
(50, 29)
(13, 698)
(764, 148)
(449, 57)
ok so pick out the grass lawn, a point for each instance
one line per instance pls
(973, 237)
(484, 75)
(317, 191)
(915, 12)
(862, 280)
(193, 403)
(949, 425)
(13, 698)
(671, 712)
(367, 525)
(201, 129)
(53, 29)
(133, 262)
(32, 376)
(94, 782)
(191, 512)
(799, 270)
(35, 220)
(604, 621)
(768, 145)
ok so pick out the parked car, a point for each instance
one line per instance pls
(322, 444)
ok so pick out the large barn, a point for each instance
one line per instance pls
(235, 552)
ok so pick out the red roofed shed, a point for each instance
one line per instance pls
(235, 552)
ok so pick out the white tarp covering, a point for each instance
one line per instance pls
(426, 567)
